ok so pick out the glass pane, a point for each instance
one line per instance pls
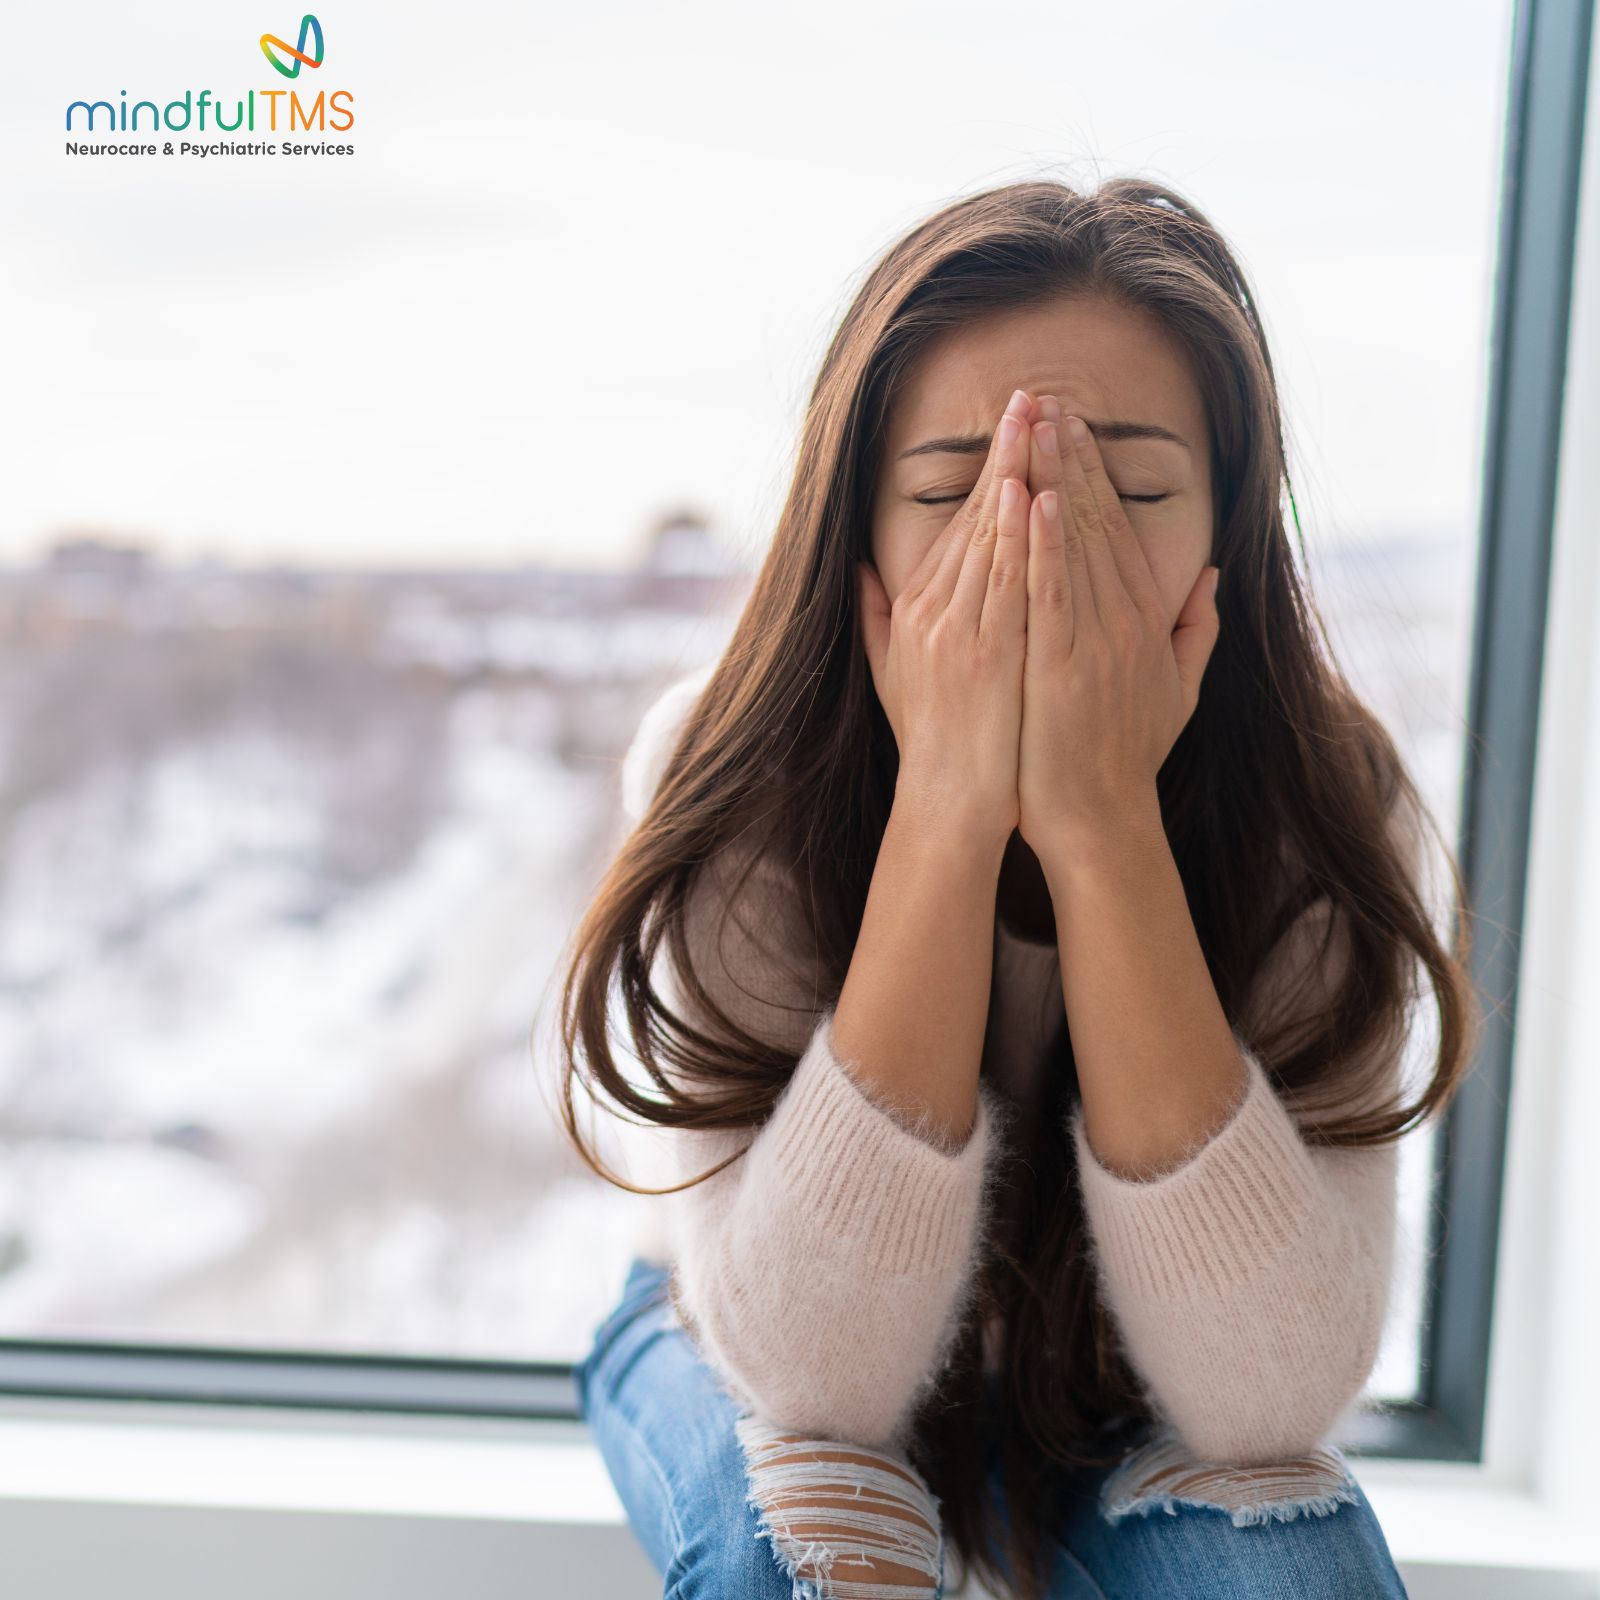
(1400, 613)
(357, 505)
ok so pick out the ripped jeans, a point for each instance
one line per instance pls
(728, 1507)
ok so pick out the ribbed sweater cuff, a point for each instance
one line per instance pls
(1219, 1220)
(849, 1166)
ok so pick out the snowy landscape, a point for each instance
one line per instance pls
(288, 860)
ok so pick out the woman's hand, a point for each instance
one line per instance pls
(947, 654)
(1107, 685)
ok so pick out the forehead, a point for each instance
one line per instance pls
(1101, 359)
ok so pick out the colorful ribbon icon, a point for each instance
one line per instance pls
(308, 25)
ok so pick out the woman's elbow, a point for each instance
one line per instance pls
(806, 1371)
(823, 1392)
(1270, 1424)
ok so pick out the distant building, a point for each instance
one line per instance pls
(86, 553)
(680, 545)
(684, 566)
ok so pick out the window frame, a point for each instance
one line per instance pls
(1544, 134)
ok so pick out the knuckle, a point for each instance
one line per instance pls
(909, 614)
(1007, 572)
(1084, 510)
(994, 649)
(1124, 629)
(1055, 592)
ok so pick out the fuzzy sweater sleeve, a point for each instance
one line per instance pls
(1251, 1280)
(823, 1273)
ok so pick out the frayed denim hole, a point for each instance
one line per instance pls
(835, 1557)
(1164, 1475)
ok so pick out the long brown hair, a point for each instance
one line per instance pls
(788, 733)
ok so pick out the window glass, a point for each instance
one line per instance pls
(356, 505)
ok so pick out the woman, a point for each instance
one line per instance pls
(1043, 918)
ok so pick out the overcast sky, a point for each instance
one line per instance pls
(585, 260)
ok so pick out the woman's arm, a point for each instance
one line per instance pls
(915, 1002)
(1248, 1269)
(1251, 1282)
(824, 1273)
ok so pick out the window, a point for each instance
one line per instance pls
(418, 472)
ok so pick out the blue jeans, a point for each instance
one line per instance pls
(683, 1457)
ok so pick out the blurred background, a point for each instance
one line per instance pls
(353, 508)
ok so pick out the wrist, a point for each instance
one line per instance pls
(950, 828)
(1069, 851)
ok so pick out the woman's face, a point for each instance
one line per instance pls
(1116, 367)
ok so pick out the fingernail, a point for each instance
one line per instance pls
(1018, 402)
(1008, 495)
(1049, 442)
(1080, 433)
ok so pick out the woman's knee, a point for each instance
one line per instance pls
(732, 1504)
(1163, 1475)
(1306, 1513)
(844, 1522)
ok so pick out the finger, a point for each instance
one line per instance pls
(982, 506)
(874, 620)
(1011, 466)
(972, 525)
(944, 553)
(1073, 553)
(1082, 513)
(1194, 636)
(1066, 548)
(1005, 605)
(1122, 557)
(1044, 454)
(1049, 579)
(938, 570)
(1051, 625)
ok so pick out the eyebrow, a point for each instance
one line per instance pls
(1106, 432)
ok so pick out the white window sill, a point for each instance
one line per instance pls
(399, 1500)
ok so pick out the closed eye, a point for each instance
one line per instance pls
(945, 499)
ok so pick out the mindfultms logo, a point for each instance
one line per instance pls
(328, 111)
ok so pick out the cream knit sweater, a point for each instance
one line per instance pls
(824, 1275)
